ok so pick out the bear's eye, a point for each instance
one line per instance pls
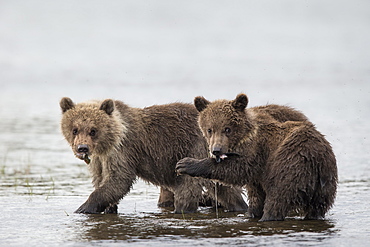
(209, 131)
(92, 132)
(75, 131)
(227, 130)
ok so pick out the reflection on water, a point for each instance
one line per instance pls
(50, 221)
(196, 226)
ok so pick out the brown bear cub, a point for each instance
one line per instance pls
(285, 165)
(120, 143)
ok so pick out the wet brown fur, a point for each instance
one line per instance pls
(284, 165)
(129, 142)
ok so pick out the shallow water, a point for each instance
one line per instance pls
(310, 55)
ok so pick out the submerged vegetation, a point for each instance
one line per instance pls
(25, 182)
(22, 177)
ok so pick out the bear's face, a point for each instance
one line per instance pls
(90, 128)
(224, 124)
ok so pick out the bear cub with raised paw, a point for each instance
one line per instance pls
(284, 165)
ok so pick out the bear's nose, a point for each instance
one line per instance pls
(83, 148)
(216, 151)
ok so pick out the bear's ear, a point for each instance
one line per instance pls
(66, 104)
(107, 106)
(240, 102)
(200, 103)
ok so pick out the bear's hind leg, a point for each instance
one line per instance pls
(166, 198)
(318, 206)
(187, 195)
(186, 204)
(315, 215)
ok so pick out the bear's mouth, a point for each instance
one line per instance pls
(219, 158)
(83, 156)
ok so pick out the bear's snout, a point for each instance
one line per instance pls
(83, 148)
(83, 152)
(216, 151)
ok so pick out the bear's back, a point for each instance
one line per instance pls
(280, 113)
(160, 135)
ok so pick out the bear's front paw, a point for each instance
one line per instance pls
(91, 208)
(112, 209)
(186, 166)
(193, 167)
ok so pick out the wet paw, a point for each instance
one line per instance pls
(91, 208)
(271, 218)
(111, 209)
(195, 168)
(187, 166)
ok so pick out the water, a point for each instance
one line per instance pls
(308, 54)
